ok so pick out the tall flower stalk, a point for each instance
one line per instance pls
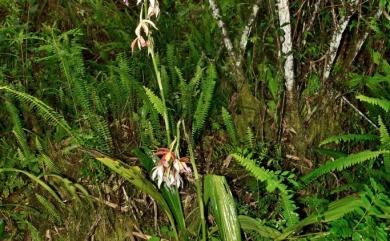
(169, 167)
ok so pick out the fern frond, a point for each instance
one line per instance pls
(348, 138)
(229, 124)
(45, 111)
(342, 163)
(204, 102)
(260, 173)
(385, 143)
(383, 103)
(18, 128)
(155, 100)
(288, 208)
(34, 232)
(49, 208)
(383, 133)
(49, 163)
(194, 82)
(102, 132)
(172, 62)
(250, 138)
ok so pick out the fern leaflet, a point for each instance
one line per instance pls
(231, 129)
(383, 103)
(203, 105)
(45, 111)
(349, 138)
(342, 163)
(156, 101)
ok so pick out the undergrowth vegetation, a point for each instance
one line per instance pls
(194, 120)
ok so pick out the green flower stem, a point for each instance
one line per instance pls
(198, 185)
(159, 81)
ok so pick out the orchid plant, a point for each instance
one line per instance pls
(169, 168)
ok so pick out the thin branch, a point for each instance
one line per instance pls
(248, 28)
(284, 23)
(226, 40)
(336, 40)
(359, 112)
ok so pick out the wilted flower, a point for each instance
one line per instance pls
(153, 8)
(143, 27)
(126, 2)
(169, 168)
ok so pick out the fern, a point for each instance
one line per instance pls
(156, 101)
(288, 208)
(383, 103)
(35, 234)
(194, 82)
(124, 73)
(250, 138)
(384, 134)
(49, 163)
(385, 143)
(172, 62)
(102, 133)
(17, 128)
(49, 208)
(204, 102)
(188, 92)
(272, 182)
(260, 173)
(349, 138)
(231, 129)
(342, 163)
(45, 111)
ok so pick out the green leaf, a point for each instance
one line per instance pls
(2, 228)
(249, 224)
(335, 210)
(218, 195)
(35, 179)
(134, 175)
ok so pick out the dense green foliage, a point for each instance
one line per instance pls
(86, 121)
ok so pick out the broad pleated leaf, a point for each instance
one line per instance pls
(220, 199)
(249, 224)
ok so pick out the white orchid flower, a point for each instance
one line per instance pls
(169, 168)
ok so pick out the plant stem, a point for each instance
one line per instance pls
(159, 81)
(198, 185)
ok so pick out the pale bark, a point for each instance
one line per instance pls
(336, 40)
(248, 28)
(287, 47)
(226, 40)
(361, 41)
(309, 25)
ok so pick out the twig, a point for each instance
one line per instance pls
(93, 228)
(144, 236)
(359, 112)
